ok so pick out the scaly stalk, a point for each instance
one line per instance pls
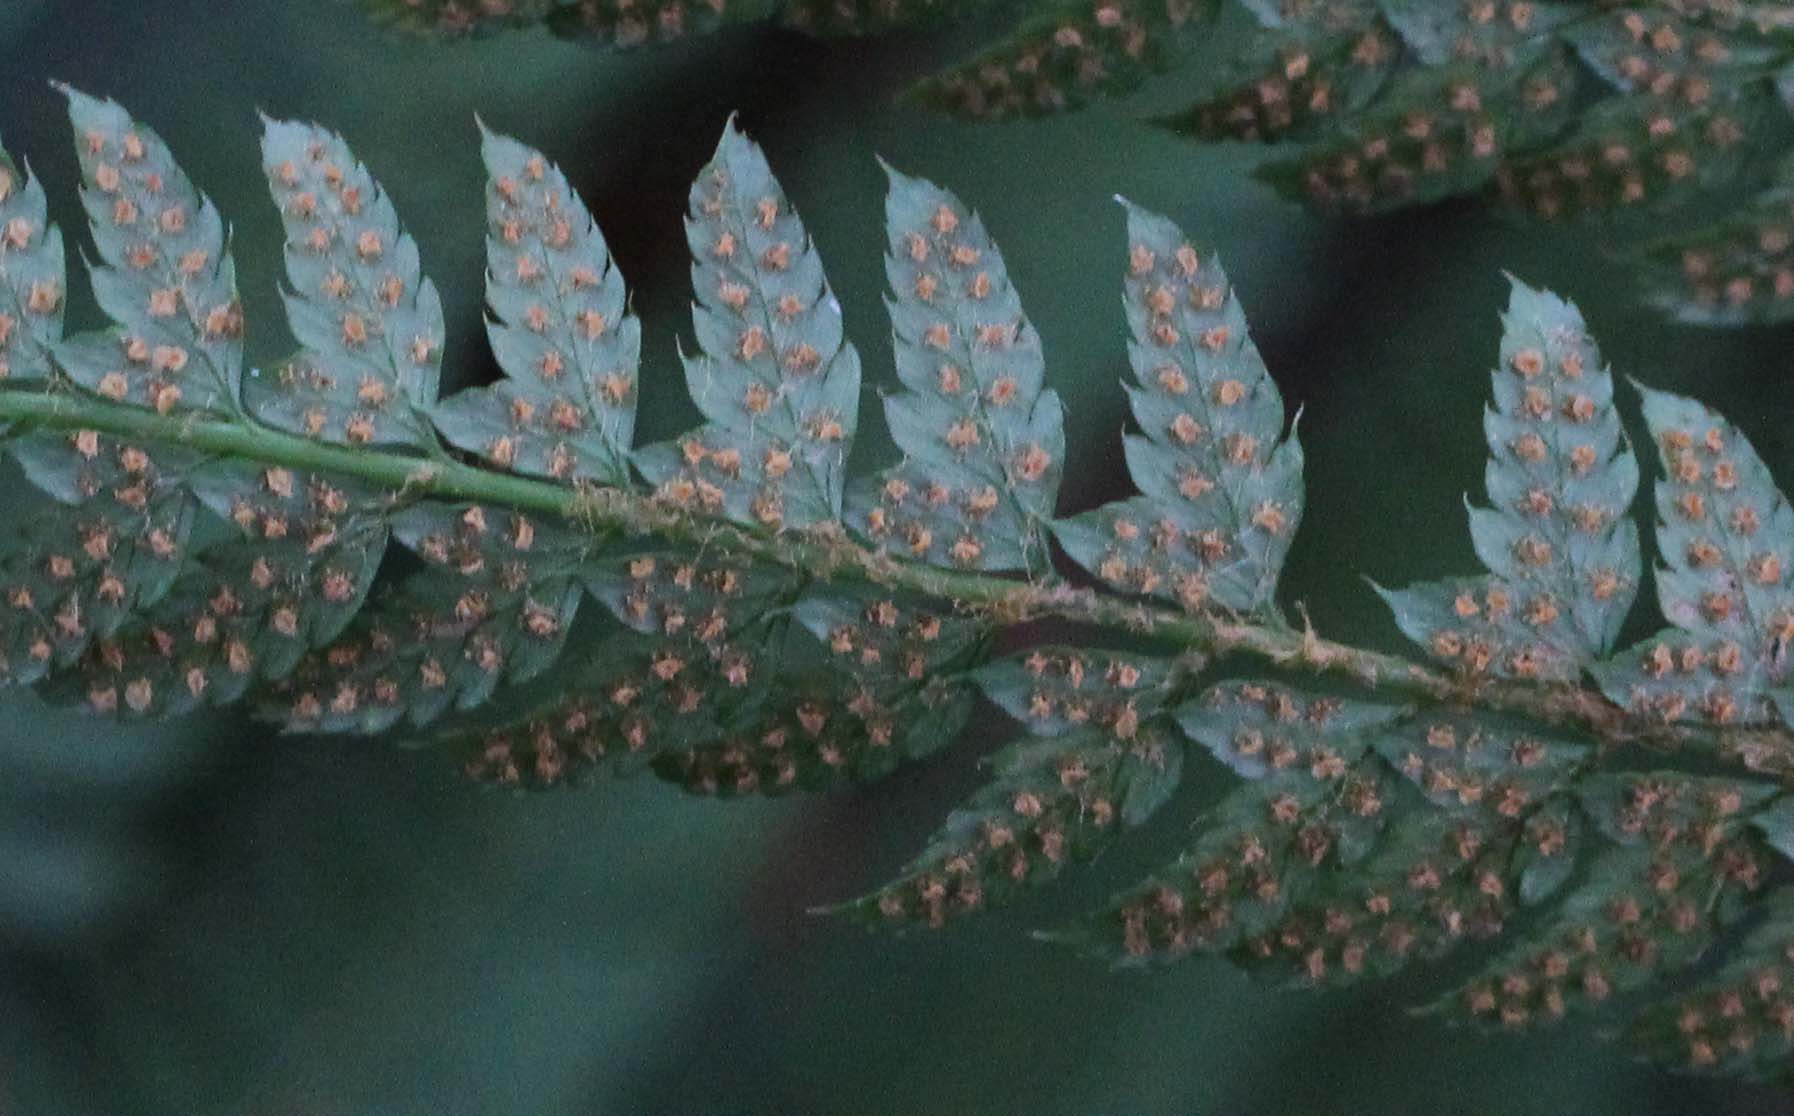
(828, 554)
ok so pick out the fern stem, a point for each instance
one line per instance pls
(827, 553)
(229, 438)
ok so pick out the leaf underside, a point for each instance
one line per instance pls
(1561, 551)
(760, 622)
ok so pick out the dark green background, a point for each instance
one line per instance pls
(205, 918)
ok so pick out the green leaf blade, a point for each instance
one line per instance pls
(1434, 132)
(1737, 1022)
(1052, 691)
(1223, 485)
(1640, 151)
(1062, 58)
(1726, 536)
(369, 320)
(893, 687)
(1313, 798)
(495, 606)
(690, 650)
(1051, 802)
(561, 330)
(76, 575)
(33, 277)
(299, 564)
(776, 380)
(1561, 550)
(1310, 66)
(983, 438)
(1738, 270)
(1488, 35)
(456, 19)
(1647, 907)
(165, 277)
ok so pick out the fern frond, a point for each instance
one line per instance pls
(756, 637)
(1491, 35)
(1112, 761)
(78, 587)
(710, 692)
(72, 576)
(1679, 56)
(300, 561)
(983, 437)
(1056, 690)
(1325, 869)
(1562, 555)
(1563, 108)
(1481, 96)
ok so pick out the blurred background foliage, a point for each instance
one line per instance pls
(204, 918)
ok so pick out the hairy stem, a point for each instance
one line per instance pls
(827, 553)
